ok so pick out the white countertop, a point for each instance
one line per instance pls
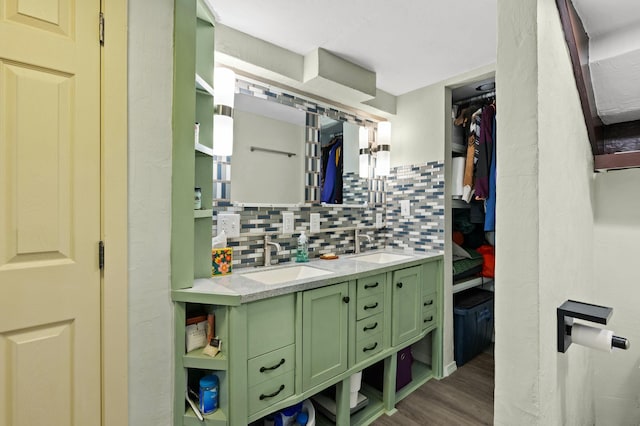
(236, 288)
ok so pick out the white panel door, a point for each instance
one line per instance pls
(49, 212)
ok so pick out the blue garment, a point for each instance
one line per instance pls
(329, 192)
(490, 203)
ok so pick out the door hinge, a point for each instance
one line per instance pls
(101, 29)
(101, 255)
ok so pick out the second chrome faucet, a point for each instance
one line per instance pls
(356, 239)
(267, 249)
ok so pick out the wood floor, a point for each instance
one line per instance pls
(464, 398)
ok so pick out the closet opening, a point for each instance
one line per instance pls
(471, 180)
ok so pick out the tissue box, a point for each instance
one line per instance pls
(221, 261)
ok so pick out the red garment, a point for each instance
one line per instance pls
(458, 237)
(489, 260)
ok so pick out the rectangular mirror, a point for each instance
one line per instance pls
(277, 154)
(268, 152)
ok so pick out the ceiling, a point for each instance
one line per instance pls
(414, 43)
(614, 56)
(408, 44)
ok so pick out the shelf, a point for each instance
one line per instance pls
(458, 148)
(364, 416)
(200, 214)
(374, 408)
(420, 374)
(459, 204)
(195, 359)
(217, 418)
(203, 150)
(469, 283)
(203, 86)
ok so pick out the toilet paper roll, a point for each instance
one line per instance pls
(457, 176)
(591, 337)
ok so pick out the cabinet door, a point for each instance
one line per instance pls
(406, 322)
(432, 277)
(324, 333)
(271, 324)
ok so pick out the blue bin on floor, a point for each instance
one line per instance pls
(472, 323)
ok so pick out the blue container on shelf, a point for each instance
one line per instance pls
(472, 323)
(208, 394)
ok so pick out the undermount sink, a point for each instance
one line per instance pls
(283, 275)
(381, 258)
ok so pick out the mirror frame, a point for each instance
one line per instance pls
(313, 110)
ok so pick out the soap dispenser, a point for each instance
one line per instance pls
(302, 254)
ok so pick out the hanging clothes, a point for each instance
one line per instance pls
(490, 203)
(485, 152)
(332, 172)
(474, 129)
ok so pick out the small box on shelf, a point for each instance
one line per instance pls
(221, 261)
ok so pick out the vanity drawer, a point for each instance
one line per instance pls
(272, 364)
(429, 318)
(429, 301)
(268, 393)
(369, 326)
(368, 347)
(367, 306)
(370, 285)
(271, 324)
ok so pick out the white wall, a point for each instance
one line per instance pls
(150, 139)
(422, 122)
(565, 178)
(545, 240)
(617, 278)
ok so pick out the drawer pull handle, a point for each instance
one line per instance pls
(368, 286)
(346, 299)
(372, 306)
(370, 348)
(430, 302)
(370, 327)
(399, 285)
(263, 369)
(429, 319)
(271, 395)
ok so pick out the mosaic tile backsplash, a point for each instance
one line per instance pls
(248, 249)
(423, 230)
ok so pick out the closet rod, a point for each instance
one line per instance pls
(491, 94)
(273, 151)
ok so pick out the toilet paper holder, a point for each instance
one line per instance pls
(584, 311)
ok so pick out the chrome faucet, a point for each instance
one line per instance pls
(357, 238)
(267, 249)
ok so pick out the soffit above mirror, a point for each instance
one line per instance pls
(319, 73)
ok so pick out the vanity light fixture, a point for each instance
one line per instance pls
(363, 142)
(383, 150)
(224, 85)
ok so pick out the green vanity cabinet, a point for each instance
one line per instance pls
(285, 348)
(324, 333)
(407, 304)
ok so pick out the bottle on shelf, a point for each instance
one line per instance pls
(197, 198)
(208, 394)
(302, 254)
